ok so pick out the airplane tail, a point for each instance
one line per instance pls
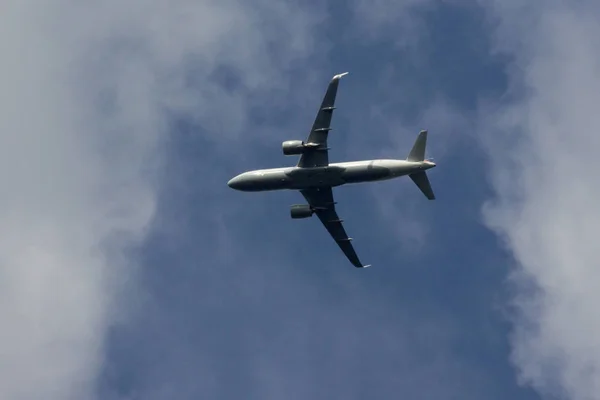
(417, 154)
(422, 182)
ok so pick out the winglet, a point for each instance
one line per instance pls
(338, 76)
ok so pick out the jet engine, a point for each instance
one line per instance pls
(292, 147)
(301, 211)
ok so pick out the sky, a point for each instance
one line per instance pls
(129, 270)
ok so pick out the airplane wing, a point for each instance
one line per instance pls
(321, 199)
(318, 155)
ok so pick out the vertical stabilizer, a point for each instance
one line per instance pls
(417, 153)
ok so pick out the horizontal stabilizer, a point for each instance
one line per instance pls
(422, 181)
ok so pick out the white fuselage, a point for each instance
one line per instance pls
(335, 174)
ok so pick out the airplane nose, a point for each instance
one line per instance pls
(234, 182)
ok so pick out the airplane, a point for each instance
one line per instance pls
(314, 176)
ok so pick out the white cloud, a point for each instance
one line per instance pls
(543, 146)
(85, 87)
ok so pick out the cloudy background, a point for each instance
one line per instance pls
(129, 270)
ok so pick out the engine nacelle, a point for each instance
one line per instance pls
(301, 211)
(293, 147)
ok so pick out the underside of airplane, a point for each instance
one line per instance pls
(314, 176)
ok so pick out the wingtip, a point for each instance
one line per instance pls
(423, 131)
(338, 76)
(366, 266)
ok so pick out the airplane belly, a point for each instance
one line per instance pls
(268, 181)
(316, 177)
(365, 173)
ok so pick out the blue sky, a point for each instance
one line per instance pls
(248, 303)
(130, 270)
